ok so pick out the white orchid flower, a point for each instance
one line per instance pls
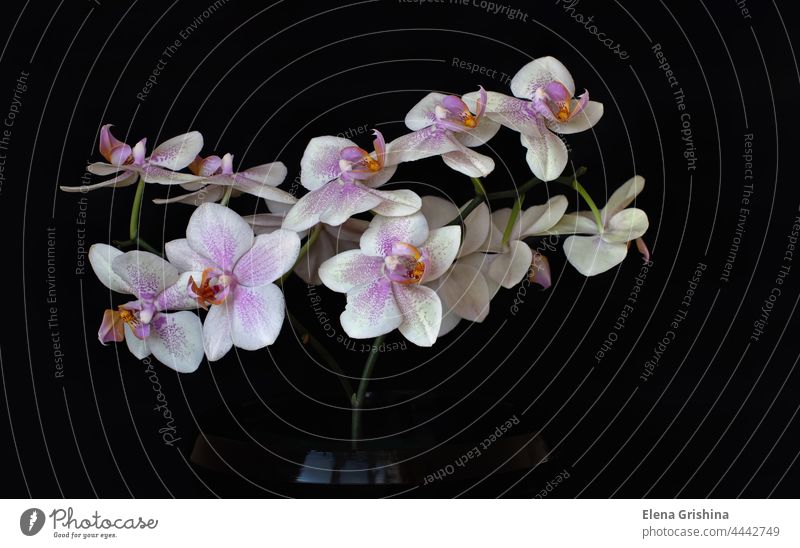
(176, 339)
(232, 271)
(384, 279)
(543, 104)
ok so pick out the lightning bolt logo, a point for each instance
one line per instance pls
(34, 517)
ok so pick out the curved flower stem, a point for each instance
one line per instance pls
(227, 196)
(480, 197)
(588, 199)
(326, 356)
(136, 209)
(564, 180)
(357, 401)
(512, 218)
(138, 243)
(312, 237)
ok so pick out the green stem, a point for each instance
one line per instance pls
(357, 401)
(312, 237)
(480, 197)
(136, 209)
(512, 218)
(138, 243)
(326, 356)
(227, 196)
(585, 195)
(566, 179)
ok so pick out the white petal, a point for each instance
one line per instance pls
(184, 257)
(381, 177)
(146, 274)
(260, 190)
(101, 257)
(202, 196)
(332, 204)
(267, 174)
(476, 227)
(320, 162)
(162, 176)
(423, 114)
(178, 152)
(589, 115)
(509, 111)
(479, 135)
(102, 168)
(422, 313)
(126, 178)
(350, 269)
(257, 316)
(538, 219)
(538, 73)
(464, 291)
(396, 203)
(220, 234)
(510, 267)
(137, 346)
(442, 247)
(622, 197)
(177, 296)
(271, 256)
(217, 332)
(438, 211)
(627, 225)
(371, 310)
(427, 142)
(176, 340)
(383, 232)
(547, 154)
(592, 255)
(469, 162)
(449, 322)
(580, 222)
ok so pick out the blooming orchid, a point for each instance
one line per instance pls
(384, 279)
(543, 103)
(343, 180)
(443, 125)
(130, 163)
(511, 261)
(217, 174)
(463, 289)
(606, 242)
(175, 339)
(231, 273)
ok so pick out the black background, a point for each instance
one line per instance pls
(718, 416)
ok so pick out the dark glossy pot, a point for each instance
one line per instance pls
(255, 453)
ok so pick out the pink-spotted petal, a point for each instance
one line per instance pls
(384, 232)
(422, 313)
(178, 152)
(371, 310)
(162, 176)
(220, 234)
(320, 162)
(442, 248)
(271, 256)
(176, 340)
(426, 142)
(185, 258)
(256, 316)
(145, 273)
(423, 113)
(332, 204)
(547, 154)
(396, 203)
(538, 73)
(177, 296)
(350, 269)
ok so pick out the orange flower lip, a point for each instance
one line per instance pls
(207, 293)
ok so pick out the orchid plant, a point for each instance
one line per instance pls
(419, 265)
